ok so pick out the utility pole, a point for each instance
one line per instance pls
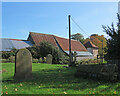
(102, 51)
(70, 59)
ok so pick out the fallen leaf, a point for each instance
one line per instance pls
(16, 89)
(65, 92)
(20, 84)
(114, 92)
(6, 92)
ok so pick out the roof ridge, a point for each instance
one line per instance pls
(66, 38)
(13, 39)
(53, 35)
(40, 33)
(92, 45)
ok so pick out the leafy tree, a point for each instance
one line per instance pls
(35, 51)
(97, 40)
(47, 48)
(113, 42)
(7, 54)
(78, 37)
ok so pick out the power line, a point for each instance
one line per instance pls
(79, 27)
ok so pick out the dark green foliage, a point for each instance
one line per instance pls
(78, 37)
(113, 43)
(7, 54)
(46, 48)
(35, 51)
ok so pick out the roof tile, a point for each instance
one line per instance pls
(89, 44)
(63, 42)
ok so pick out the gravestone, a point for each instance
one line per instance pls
(23, 65)
(75, 54)
(49, 59)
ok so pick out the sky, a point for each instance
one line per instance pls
(20, 18)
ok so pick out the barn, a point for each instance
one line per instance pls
(35, 39)
(61, 43)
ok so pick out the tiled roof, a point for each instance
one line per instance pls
(39, 37)
(63, 42)
(89, 44)
(75, 45)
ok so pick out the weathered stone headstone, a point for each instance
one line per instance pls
(49, 59)
(75, 54)
(23, 65)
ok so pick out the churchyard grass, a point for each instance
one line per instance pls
(54, 79)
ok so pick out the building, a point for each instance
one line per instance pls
(9, 44)
(59, 42)
(91, 48)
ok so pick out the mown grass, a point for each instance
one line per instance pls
(54, 79)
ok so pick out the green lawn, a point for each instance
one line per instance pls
(54, 79)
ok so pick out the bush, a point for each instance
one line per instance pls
(35, 61)
(7, 54)
(44, 59)
(5, 60)
(40, 52)
(88, 61)
(47, 48)
(40, 60)
(35, 51)
(12, 59)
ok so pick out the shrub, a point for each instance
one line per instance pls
(35, 51)
(7, 54)
(40, 60)
(5, 60)
(88, 61)
(47, 48)
(40, 52)
(35, 60)
(12, 59)
(44, 59)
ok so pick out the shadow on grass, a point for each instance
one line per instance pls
(61, 78)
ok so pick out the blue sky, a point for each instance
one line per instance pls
(20, 18)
